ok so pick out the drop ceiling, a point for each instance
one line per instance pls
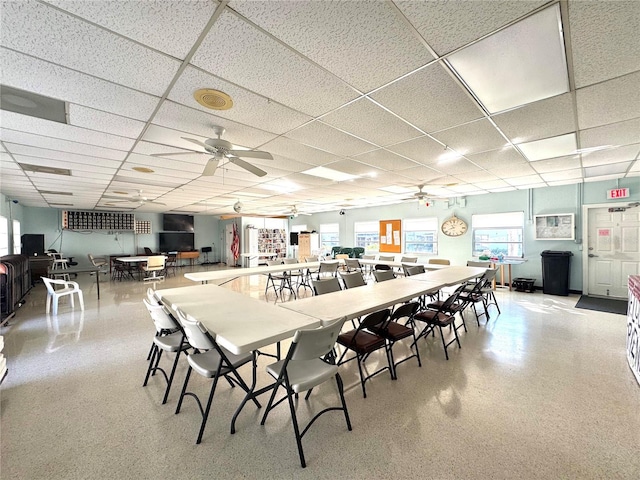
(465, 97)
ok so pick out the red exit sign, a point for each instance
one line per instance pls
(618, 193)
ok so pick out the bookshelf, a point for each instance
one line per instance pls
(272, 240)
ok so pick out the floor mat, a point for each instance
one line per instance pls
(609, 305)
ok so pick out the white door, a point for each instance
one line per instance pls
(229, 260)
(613, 248)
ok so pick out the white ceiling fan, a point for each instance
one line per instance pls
(222, 150)
(139, 198)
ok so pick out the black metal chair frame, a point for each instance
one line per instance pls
(361, 355)
(386, 330)
(439, 318)
(230, 373)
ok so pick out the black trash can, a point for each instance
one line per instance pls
(555, 272)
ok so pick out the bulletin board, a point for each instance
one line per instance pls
(390, 236)
(556, 226)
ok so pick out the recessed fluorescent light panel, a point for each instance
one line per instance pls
(330, 174)
(553, 147)
(616, 168)
(518, 65)
(280, 186)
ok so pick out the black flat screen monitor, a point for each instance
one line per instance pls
(177, 223)
(176, 242)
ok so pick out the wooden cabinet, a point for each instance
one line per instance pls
(308, 243)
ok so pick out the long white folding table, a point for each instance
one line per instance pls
(396, 264)
(450, 275)
(355, 302)
(232, 274)
(241, 324)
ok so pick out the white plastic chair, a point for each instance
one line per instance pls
(305, 367)
(155, 267)
(69, 288)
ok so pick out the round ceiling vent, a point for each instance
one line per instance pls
(214, 99)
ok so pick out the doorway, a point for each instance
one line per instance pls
(612, 248)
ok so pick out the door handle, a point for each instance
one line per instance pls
(592, 255)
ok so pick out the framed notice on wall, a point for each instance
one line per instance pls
(555, 226)
(390, 236)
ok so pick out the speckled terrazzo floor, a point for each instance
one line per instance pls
(541, 392)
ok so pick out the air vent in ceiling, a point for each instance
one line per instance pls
(61, 204)
(53, 192)
(32, 104)
(27, 167)
(214, 99)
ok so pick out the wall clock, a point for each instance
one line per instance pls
(454, 227)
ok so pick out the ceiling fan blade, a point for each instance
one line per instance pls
(176, 154)
(247, 166)
(155, 203)
(210, 168)
(251, 154)
(197, 142)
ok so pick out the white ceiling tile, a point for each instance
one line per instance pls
(502, 77)
(608, 102)
(446, 26)
(545, 118)
(430, 99)
(474, 137)
(524, 180)
(621, 133)
(385, 160)
(71, 158)
(171, 27)
(91, 119)
(507, 158)
(368, 121)
(35, 29)
(423, 150)
(354, 167)
(515, 172)
(554, 176)
(421, 174)
(183, 119)
(299, 152)
(321, 30)
(268, 68)
(248, 108)
(24, 123)
(477, 176)
(33, 75)
(557, 164)
(604, 40)
(491, 185)
(602, 178)
(318, 134)
(11, 136)
(613, 155)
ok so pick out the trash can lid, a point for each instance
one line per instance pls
(555, 253)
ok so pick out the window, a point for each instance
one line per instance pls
(4, 236)
(17, 247)
(421, 235)
(498, 234)
(367, 235)
(329, 235)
